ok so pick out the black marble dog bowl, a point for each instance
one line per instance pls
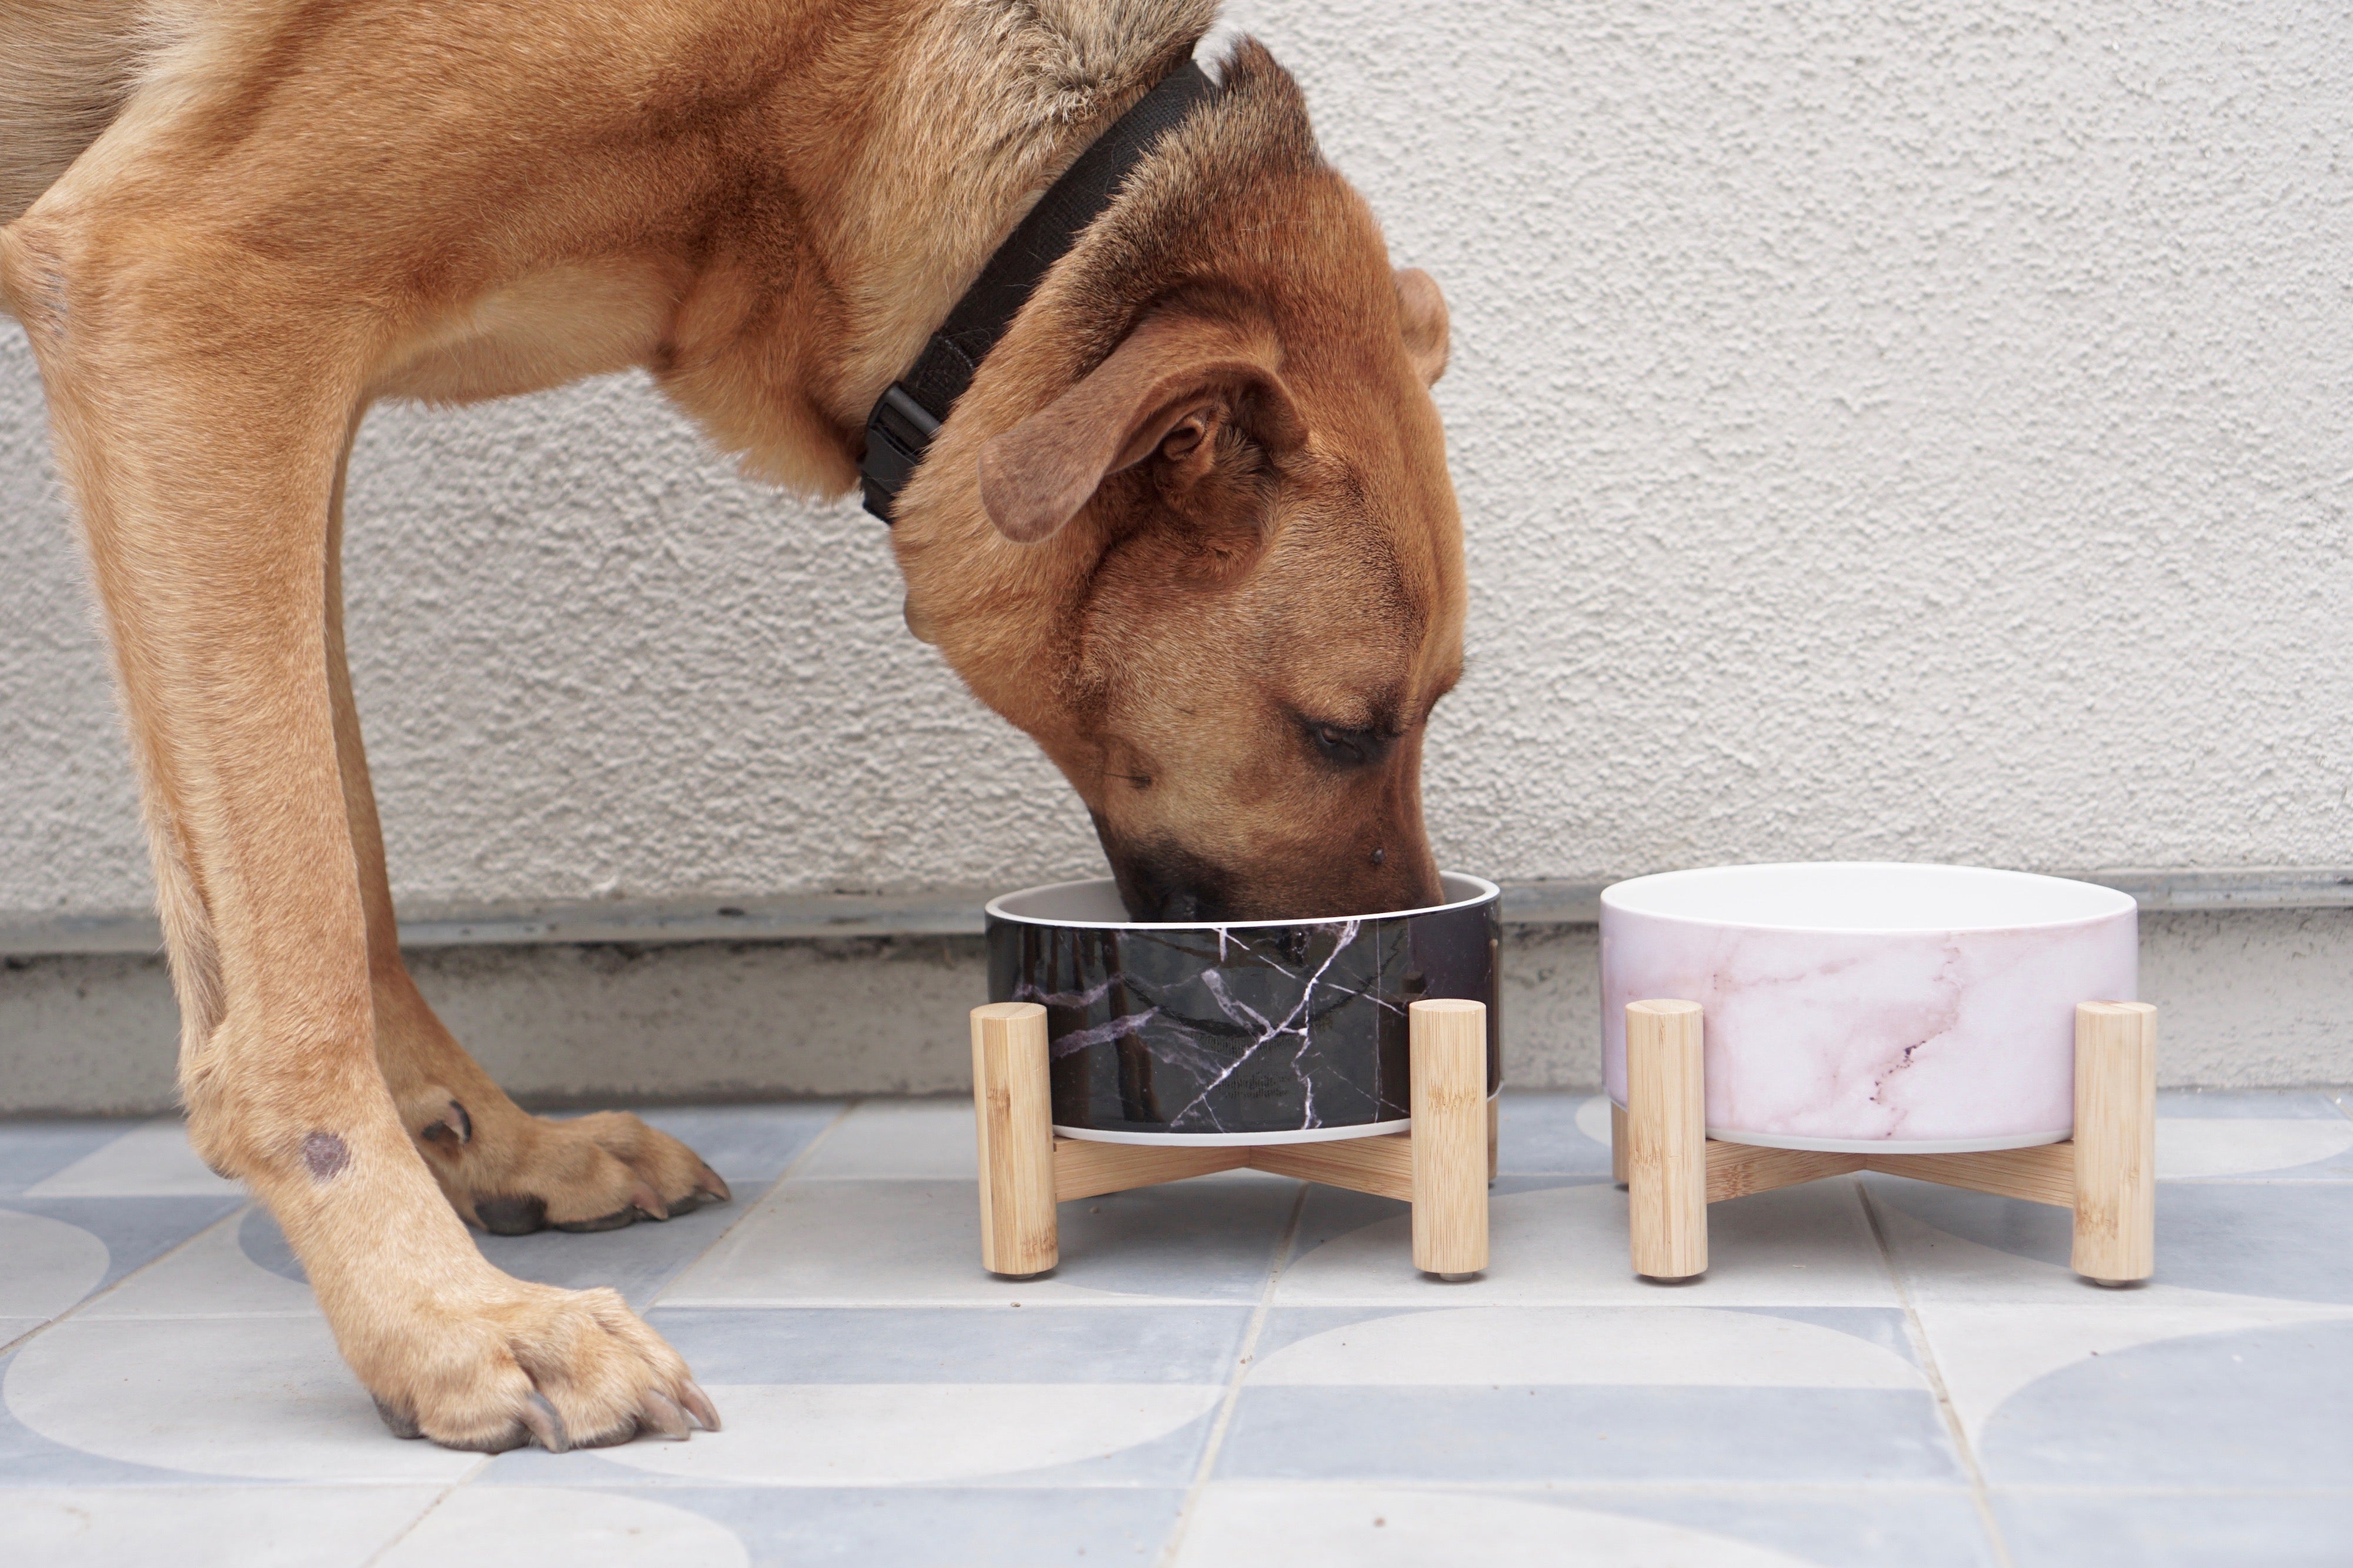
(1253, 1032)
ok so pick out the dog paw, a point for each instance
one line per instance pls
(512, 1174)
(526, 1364)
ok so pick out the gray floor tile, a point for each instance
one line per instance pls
(2134, 1530)
(1260, 1524)
(885, 1242)
(129, 1232)
(148, 1158)
(958, 1344)
(638, 1260)
(2284, 1241)
(33, 1150)
(1535, 1434)
(1554, 1133)
(2259, 1408)
(1883, 1527)
(205, 1527)
(748, 1144)
(926, 1527)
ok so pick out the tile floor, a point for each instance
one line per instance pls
(1236, 1371)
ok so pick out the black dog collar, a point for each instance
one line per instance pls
(911, 408)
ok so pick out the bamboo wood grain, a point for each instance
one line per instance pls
(2043, 1175)
(1014, 1120)
(1736, 1169)
(1086, 1169)
(2116, 1141)
(1382, 1166)
(1618, 1142)
(1448, 1048)
(1667, 1158)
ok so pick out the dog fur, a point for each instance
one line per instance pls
(1190, 529)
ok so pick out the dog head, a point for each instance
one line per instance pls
(1192, 529)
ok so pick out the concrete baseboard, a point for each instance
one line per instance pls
(2252, 998)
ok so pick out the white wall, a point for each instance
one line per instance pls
(1921, 431)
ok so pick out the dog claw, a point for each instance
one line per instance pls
(663, 1414)
(396, 1421)
(698, 1404)
(544, 1423)
(709, 1182)
(648, 1202)
(455, 1128)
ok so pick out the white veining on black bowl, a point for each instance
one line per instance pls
(1257, 1029)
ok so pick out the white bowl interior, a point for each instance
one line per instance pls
(1865, 896)
(1095, 902)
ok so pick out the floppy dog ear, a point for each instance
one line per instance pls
(1170, 379)
(1422, 313)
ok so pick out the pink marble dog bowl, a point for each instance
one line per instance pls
(1868, 1008)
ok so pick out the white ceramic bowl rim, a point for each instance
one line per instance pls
(1094, 904)
(1866, 898)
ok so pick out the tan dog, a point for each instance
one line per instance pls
(1190, 528)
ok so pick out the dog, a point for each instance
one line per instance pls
(1190, 527)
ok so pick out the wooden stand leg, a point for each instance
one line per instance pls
(1013, 1112)
(1617, 1144)
(2116, 1141)
(1449, 1046)
(1666, 1117)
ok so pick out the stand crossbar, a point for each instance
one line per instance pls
(1442, 1167)
(2105, 1174)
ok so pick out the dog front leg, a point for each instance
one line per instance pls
(204, 462)
(499, 1167)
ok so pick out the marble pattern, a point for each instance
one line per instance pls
(1900, 1041)
(1241, 1031)
(1236, 1372)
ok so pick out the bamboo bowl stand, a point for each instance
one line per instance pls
(1442, 1167)
(2106, 1174)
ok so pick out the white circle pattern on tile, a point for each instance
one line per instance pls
(204, 1527)
(51, 1265)
(1607, 1346)
(555, 1527)
(260, 1397)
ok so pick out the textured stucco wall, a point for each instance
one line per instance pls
(1921, 431)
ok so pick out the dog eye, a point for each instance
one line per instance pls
(1349, 748)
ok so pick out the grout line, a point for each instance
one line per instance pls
(744, 1207)
(235, 1217)
(1225, 1420)
(1918, 1332)
(426, 1512)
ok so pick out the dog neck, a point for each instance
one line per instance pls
(911, 409)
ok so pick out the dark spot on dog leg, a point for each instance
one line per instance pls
(1380, 857)
(325, 1154)
(512, 1216)
(396, 1421)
